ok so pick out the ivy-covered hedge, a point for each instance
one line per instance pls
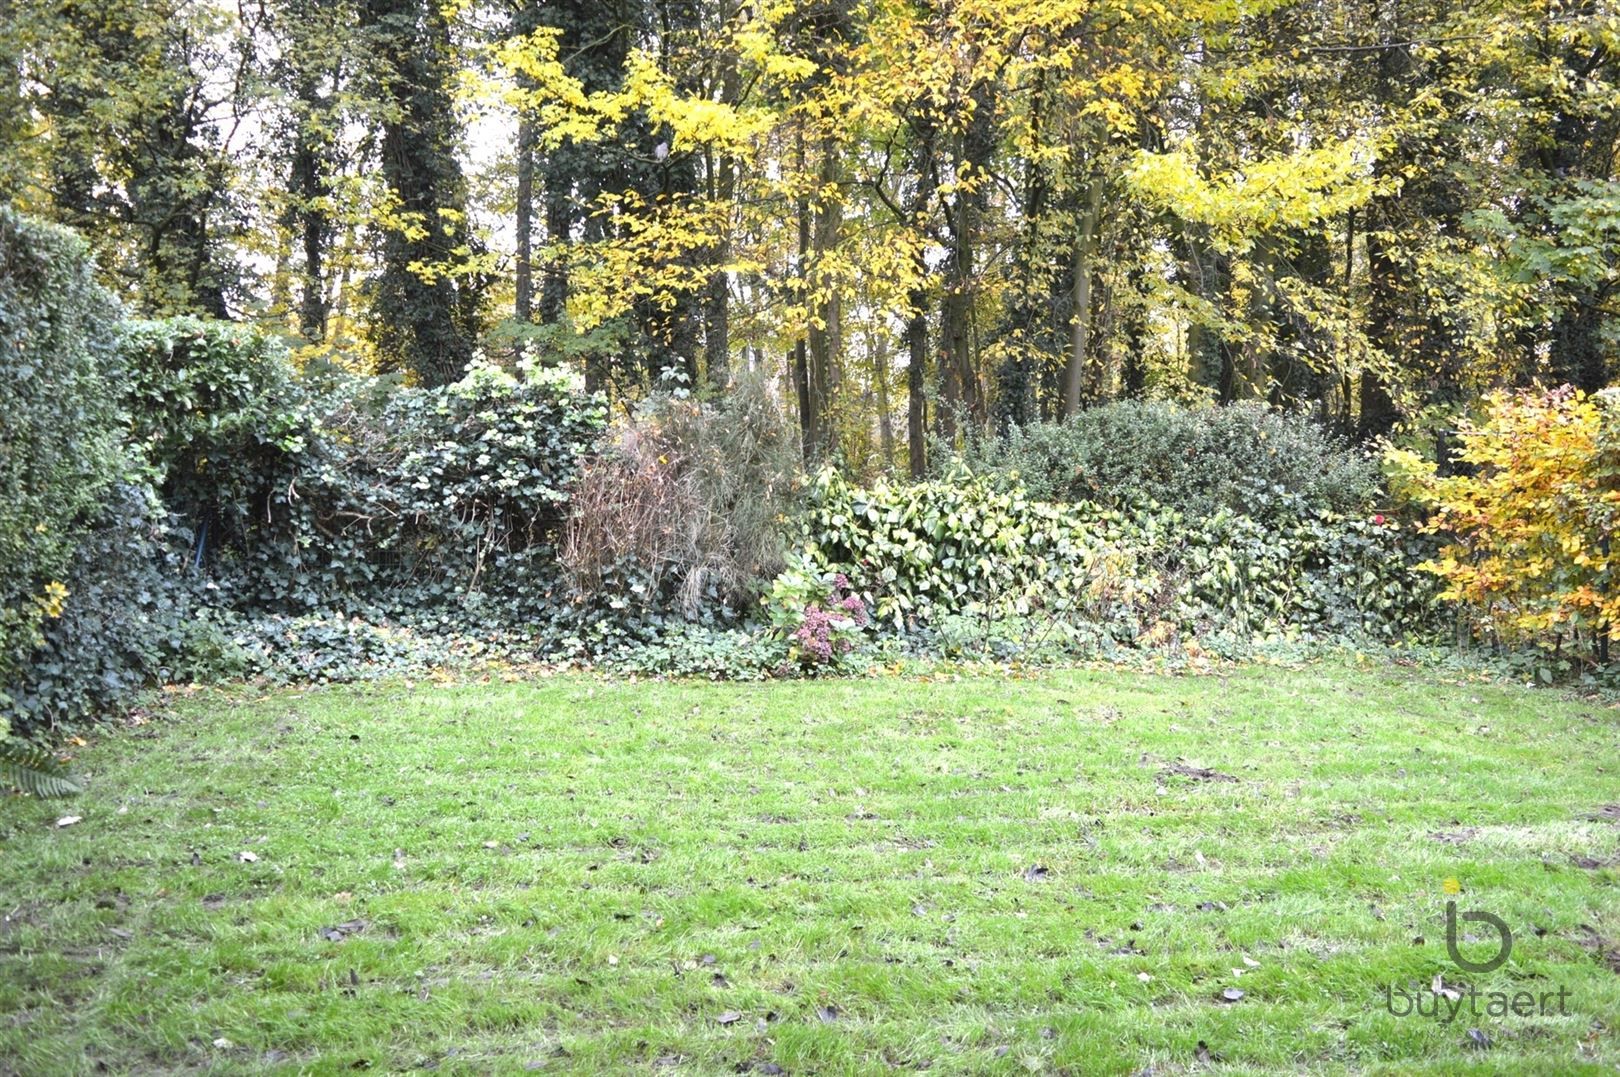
(349, 495)
(429, 501)
(924, 555)
(128, 619)
(62, 461)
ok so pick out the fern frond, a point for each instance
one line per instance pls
(34, 771)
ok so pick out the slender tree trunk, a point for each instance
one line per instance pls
(916, 384)
(281, 271)
(523, 265)
(717, 301)
(808, 422)
(825, 331)
(1377, 407)
(314, 223)
(959, 383)
(1080, 338)
(916, 333)
(880, 378)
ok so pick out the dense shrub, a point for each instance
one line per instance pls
(919, 550)
(278, 509)
(351, 495)
(682, 513)
(216, 412)
(187, 505)
(128, 619)
(1530, 528)
(438, 502)
(92, 605)
(59, 428)
(1246, 458)
(929, 555)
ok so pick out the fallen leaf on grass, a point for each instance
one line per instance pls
(339, 932)
(1201, 774)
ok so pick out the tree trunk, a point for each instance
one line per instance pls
(314, 225)
(916, 333)
(880, 378)
(426, 326)
(808, 423)
(916, 384)
(717, 301)
(1080, 339)
(523, 263)
(825, 331)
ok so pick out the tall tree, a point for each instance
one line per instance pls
(425, 303)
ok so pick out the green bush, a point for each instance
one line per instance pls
(918, 551)
(1244, 457)
(342, 495)
(128, 619)
(216, 412)
(691, 650)
(92, 601)
(945, 559)
(441, 503)
(59, 428)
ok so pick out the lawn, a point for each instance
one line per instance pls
(1085, 871)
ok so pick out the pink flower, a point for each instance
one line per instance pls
(1379, 520)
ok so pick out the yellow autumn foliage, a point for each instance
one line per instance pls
(1530, 526)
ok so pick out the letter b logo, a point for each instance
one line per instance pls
(1495, 921)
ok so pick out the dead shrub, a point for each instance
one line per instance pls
(684, 510)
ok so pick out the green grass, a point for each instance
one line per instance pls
(587, 875)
